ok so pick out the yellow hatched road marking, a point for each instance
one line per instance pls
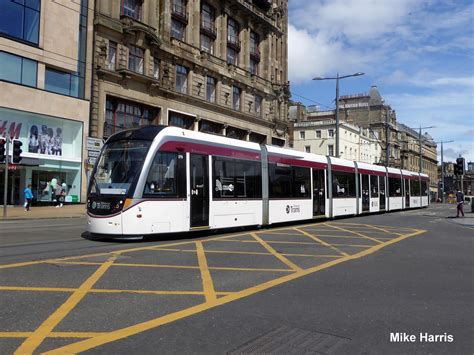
(383, 229)
(275, 253)
(353, 232)
(91, 343)
(38, 336)
(207, 283)
(52, 334)
(322, 242)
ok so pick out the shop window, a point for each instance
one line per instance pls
(63, 83)
(289, 181)
(236, 96)
(236, 178)
(211, 89)
(181, 79)
(111, 55)
(343, 184)
(167, 176)
(131, 8)
(20, 19)
(120, 115)
(180, 120)
(17, 69)
(135, 59)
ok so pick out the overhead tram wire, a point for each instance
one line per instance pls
(316, 102)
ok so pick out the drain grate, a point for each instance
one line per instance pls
(286, 340)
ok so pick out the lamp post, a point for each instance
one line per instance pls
(337, 101)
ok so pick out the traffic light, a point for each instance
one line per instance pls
(459, 167)
(3, 142)
(17, 152)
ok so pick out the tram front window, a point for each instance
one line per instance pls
(118, 168)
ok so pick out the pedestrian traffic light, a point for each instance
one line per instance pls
(3, 142)
(459, 167)
(17, 151)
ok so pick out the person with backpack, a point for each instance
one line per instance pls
(460, 203)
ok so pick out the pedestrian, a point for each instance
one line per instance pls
(460, 202)
(53, 184)
(58, 192)
(28, 197)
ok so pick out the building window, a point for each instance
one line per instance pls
(278, 142)
(211, 89)
(207, 44)
(330, 150)
(135, 59)
(235, 133)
(236, 94)
(63, 82)
(20, 19)
(111, 55)
(302, 134)
(257, 138)
(210, 127)
(131, 8)
(253, 67)
(318, 134)
(307, 149)
(178, 30)
(331, 133)
(156, 68)
(181, 79)
(120, 115)
(233, 30)
(258, 105)
(17, 69)
(180, 120)
(232, 56)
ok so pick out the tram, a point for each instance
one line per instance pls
(159, 179)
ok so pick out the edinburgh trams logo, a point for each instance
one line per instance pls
(292, 209)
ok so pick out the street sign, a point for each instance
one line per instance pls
(93, 153)
(94, 144)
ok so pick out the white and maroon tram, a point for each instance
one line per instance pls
(158, 179)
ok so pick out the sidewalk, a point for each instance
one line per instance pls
(67, 211)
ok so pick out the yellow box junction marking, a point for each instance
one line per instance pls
(93, 339)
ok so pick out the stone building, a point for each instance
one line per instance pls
(45, 90)
(212, 66)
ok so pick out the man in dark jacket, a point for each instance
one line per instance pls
(460, 202)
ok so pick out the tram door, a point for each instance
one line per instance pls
(382, 192)
(199, 177)
(365, 193)
(407, 193)
(319, 198)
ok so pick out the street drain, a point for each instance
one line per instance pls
(286, 340)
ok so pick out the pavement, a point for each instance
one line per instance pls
(43, 212)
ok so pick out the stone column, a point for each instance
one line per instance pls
(223, 35)
(245, 48)
(195, 23)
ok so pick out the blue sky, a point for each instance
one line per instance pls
(420, 54)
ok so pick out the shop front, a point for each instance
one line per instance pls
(51, 157)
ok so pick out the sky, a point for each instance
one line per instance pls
(420, 55)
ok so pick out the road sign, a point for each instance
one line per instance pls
(93, 153)
(94, 144)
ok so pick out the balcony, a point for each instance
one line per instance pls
(264, 4)
(179, 13)
(208, 28)
(233, 42)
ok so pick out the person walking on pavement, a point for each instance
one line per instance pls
(58, 192)
(460, 203)
(28, 197)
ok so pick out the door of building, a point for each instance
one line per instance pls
(199, 177)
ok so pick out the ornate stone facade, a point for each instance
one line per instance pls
(214, 66)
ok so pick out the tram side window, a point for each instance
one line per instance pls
(343, 184)
(374, 185)
(424, 188)
(394, 187)
(236, 178)
(414, 188)
(289, 181)
(167, 176)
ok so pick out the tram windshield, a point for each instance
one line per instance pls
(118, 167)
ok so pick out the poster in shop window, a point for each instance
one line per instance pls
(45, 139)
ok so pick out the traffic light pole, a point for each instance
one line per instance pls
(5, 191)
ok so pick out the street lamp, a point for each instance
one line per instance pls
(442, 168)
(337, 101)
